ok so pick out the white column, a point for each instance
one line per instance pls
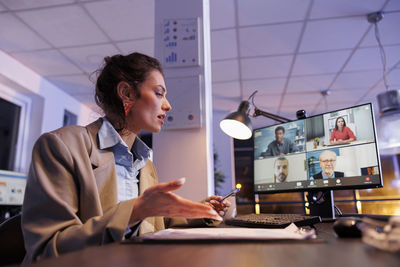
(184, 148)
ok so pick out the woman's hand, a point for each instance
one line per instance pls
(158, 200)
(220, 207)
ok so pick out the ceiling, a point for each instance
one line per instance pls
(288, 50)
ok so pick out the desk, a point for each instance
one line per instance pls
(331, 252)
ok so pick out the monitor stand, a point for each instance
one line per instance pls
(321, 204)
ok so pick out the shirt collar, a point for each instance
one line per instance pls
(141, 150)
(324, 176)
(109, 137)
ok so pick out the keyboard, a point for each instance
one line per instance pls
(267, 220)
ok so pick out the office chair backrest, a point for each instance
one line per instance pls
(12, 248)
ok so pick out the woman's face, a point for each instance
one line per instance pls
(149, 109)
(340, 123)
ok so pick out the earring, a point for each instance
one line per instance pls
(127, 106)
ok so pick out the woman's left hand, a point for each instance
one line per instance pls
(220, 207)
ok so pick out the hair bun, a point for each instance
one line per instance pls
(107, 59)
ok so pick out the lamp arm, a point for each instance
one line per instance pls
(259, 112)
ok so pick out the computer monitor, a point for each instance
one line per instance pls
(12, 188)
(332, 151)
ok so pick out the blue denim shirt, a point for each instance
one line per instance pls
(128, 163)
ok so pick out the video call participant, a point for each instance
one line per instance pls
(327, 162)
(341, 134)
(281, 145)
(281, 169)
(94, 185)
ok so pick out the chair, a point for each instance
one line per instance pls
(12, 250)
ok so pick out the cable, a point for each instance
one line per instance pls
(252, 98)
(382, 54)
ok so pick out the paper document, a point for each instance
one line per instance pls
(236, 233)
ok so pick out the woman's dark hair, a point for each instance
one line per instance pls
(344, 122)
(133, 69)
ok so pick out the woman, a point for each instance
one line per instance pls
(341, 134)
(94, 185)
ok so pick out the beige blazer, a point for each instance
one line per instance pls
(71, 195)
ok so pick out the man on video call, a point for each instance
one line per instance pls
(327, 161)
(281, 145)
(281, 169)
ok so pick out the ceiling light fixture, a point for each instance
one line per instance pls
(389, 102)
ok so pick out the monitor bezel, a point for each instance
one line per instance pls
(325, 188)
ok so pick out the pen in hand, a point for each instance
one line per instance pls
(232, 193)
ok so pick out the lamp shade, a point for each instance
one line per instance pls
(389, 122)
(238, 124)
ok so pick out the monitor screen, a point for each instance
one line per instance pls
(12, 188)
(335, 150)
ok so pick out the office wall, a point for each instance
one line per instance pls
(45, 103)
(223, 147)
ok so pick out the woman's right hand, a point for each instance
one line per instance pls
(158, 200)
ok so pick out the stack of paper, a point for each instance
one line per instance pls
(237, 233)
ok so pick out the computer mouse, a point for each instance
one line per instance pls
(347, 227)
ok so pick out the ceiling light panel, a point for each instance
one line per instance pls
(320, 63)
(2, 8)
(394, 5)
(350, 96)
(294, 102)
(227, 89)
(73, 84)
(273, 86)
(333, 34)
(124, 20)
(224, 104)
(222, 14)
(253, 12)
(266, 67)
(47, 63)
(370, 59)
(223, 44)
(90, 58)
(357, 80)
(224, 71)
(300, 100)
(64, 26)
(344, 8)
(311, 83)
(16, 36)
(29, 4)
(323, 108)
(269, 40)
(145, 46)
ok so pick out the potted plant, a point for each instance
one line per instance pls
(316, 142)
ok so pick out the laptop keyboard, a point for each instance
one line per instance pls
(267, 220)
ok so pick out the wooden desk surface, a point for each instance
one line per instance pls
(331, 251)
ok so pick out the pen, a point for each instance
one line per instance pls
(233, 192)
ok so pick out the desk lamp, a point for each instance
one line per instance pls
(238, 124)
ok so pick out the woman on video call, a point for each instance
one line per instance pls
(341, 134)
(93, 185)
